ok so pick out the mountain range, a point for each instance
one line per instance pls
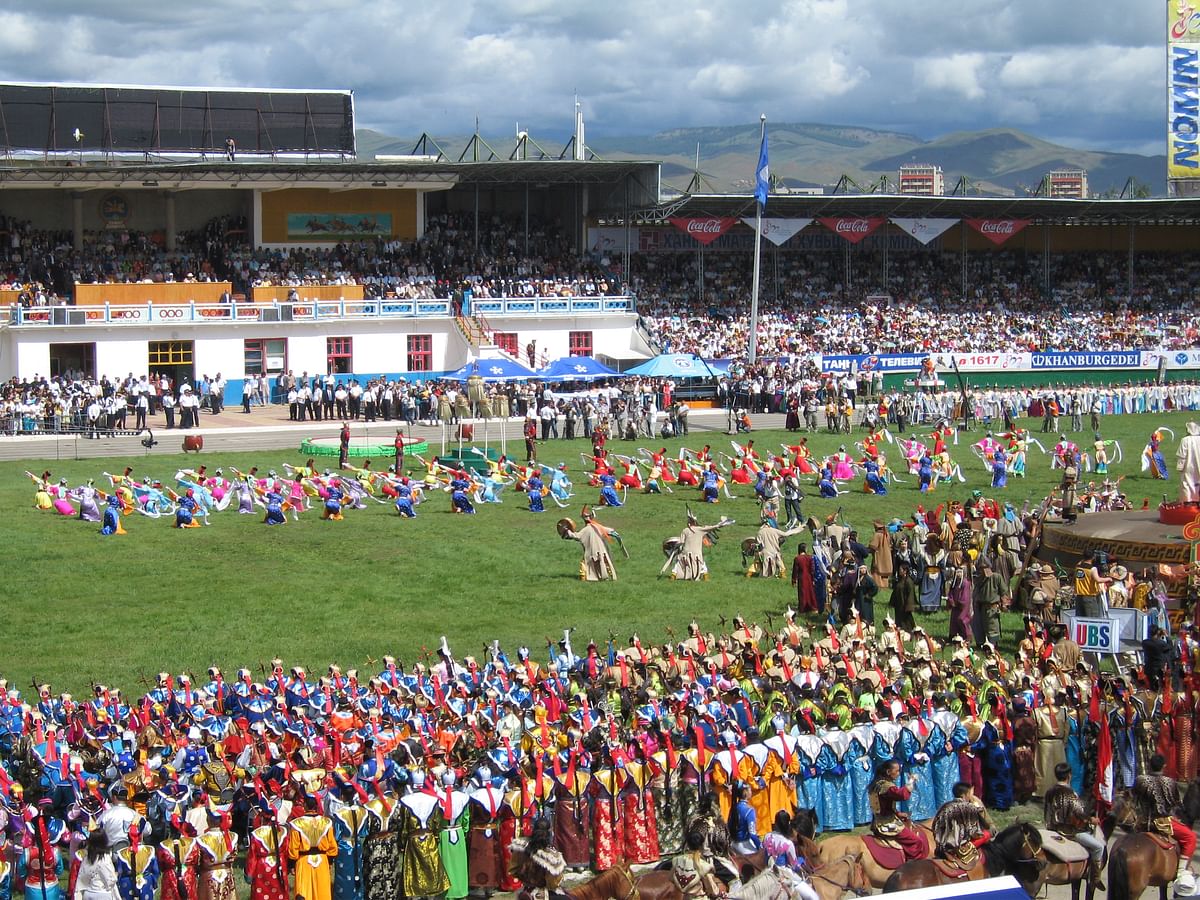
(1000, 161)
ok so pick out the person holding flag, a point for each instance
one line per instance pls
(1104, 753)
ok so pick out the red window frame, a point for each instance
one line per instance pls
(338, 349)
(260, 344)
(507, 341)
(420, 353)
(579, 343)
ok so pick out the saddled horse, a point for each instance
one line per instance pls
(832, 880)
(618, 883)
(659, 883)
(1137, 859)
(1014, 851)
(841, 845)
(1069, 863)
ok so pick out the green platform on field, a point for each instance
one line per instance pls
(329, 446)
(472, 458)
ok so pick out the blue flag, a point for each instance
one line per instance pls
(762, 175)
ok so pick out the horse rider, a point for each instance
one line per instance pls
(712, 831)
(1064, 813)
(536, 863)
(743, 822)
(693, 872)
(960, 828)
(888, 824)
(1157, 799)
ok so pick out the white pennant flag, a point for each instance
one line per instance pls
(778, 231)
(925, 230)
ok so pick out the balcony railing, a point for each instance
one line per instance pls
(308, 311)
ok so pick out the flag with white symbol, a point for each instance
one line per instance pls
(762, 175)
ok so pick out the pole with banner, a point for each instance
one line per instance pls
(761, 187)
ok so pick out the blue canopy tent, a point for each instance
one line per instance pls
(577, 368)
(674, 365)
(493, 370)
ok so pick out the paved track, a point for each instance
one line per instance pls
(268, 428)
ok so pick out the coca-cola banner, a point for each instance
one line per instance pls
(851, 228)
(779, 231)
(705, 230)
(997, 230)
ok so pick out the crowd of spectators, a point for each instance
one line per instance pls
(76, 403)
(501, 260)
(808, 304)
(629, 408)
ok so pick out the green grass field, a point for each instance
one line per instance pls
(79, 606)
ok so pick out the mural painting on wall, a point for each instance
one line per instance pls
(338, 225)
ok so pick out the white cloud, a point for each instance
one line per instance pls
(928, 67)
(955, 74)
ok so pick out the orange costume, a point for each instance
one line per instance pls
(722, 778)
(310, 845)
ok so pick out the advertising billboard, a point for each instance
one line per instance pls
(1183, 89)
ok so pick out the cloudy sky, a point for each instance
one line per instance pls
(1085, 74)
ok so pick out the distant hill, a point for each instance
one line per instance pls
(998, 161)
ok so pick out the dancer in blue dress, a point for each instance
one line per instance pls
(999, 469)
(404, 499)
(608, 489)
(535, 489)
(460, 496)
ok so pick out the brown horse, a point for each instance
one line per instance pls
(1137, 862)
(833, 879)
(1073, 873)
(841, 845)
(617, 883)
(1014, 851)
(658, 884)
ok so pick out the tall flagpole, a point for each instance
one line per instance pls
(758, 211)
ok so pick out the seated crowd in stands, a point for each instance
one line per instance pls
(503, 262)
(811, 302)
(807, 306)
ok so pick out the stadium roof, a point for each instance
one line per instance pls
(67, 118)
(251, 172)
(264, 172)
(1172, 211)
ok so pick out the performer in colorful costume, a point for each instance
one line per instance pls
(112, 516)
(535, 489)
(185, 513)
